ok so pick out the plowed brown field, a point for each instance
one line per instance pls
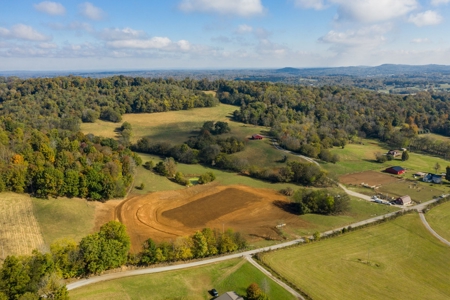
(368, 177)
(164, 216)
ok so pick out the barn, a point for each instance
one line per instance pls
(404, 200)
(395, 170)
(257, 137)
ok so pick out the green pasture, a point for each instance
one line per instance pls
(360, 157)
(64, 218)
(194, 283)
(398, 259)
(154, 182)
(439, 219)
(359, 210)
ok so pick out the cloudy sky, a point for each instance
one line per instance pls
(217, 34)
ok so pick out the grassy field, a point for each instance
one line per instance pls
(153, 182)
(360, 157)
(64, 218)
(194, 283)
(395, 260)
(359, 210)
(19, 230)
(439, 219)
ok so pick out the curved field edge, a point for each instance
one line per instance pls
(234, 275)
(394, 260)
(439, 219)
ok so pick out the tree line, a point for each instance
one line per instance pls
(40, 276)
(63, 163)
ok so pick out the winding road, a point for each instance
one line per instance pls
(424, 221)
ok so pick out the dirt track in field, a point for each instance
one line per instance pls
(368, 177)
(164, 216)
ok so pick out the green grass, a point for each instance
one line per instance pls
(358, 158)
(193, 283)
(359, 210)
(64, 218)
(154, 182)
(439, 219)
(395, 260)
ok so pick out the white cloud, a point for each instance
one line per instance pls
(153, 43)
(127, 33)
(51, 8)
(315, 4)
(90, 11)
(426, 18)
(48, 46)
(243, 29)
(420, 41)
(23, 32)
(72, 26)
(367, 37)
(439, 2)
(370, 11)
(243, 8)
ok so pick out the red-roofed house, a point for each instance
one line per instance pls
(257, 137)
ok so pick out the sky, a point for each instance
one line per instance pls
(221, 34)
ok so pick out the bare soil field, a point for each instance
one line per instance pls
(164, 216)
(368, 177)
(19, 230)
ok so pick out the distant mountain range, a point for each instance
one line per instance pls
(383, 70)
(386, 70)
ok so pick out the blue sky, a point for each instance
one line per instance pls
(221, 34)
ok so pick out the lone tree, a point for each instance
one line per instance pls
(437, 167)
(405, 155)
(447, 173)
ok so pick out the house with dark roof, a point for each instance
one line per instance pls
(397, 170)
(229, 296)
(433, 178)
(394, 153)
(404, 200)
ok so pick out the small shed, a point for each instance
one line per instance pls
(397, 170)
(257, 137)
(394, 153)
(404, 200)
(229, 296)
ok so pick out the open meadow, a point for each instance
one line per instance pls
(64, 218)
(398, 259)
(360, 157)
(439, 219)
(194, 283)
(20, 232)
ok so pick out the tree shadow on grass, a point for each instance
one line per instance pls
(289, 207)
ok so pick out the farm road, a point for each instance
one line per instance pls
(354, 194)
(424, 221)
(309, 159)
(111, 276)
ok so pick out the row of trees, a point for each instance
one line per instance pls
(320, 201)
(39, 276)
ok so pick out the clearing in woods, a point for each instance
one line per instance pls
(398, 259)
(19, 229)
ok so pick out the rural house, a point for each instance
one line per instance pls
(257, 137)
(394, 153)
(395, 170)
(434, 178)
(404, 200)
(229, 296)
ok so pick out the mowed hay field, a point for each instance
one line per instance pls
(360, 157)
(193, 283)
(404, 262)
(175, 127)
(64, 218)
(19, 229)
(439, 219)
